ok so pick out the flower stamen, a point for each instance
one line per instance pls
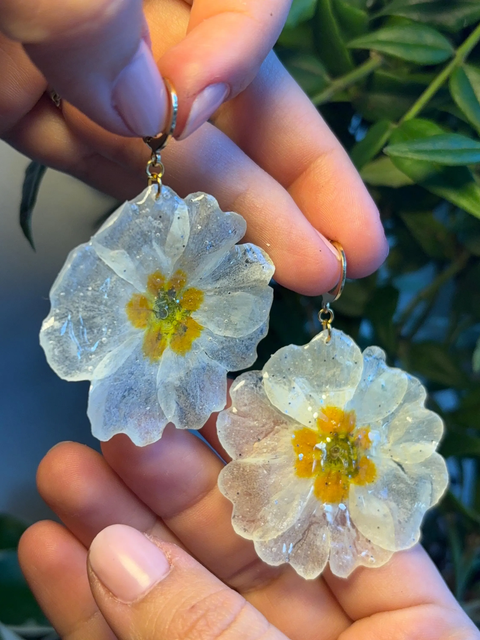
(335, 454)
(164, 313)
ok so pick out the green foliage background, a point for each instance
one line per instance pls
(398, 81)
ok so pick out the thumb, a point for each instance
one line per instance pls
(95, 53)
(153, 590)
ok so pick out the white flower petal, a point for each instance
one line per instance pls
(301, 380)
(436, 468)
(413, 434)
(126, 402)
(212, 234)
(371, 515)
(144, 235)
(389, 511)
(350, 549)
(236, 313)
(252, 426)
(87, 319)
(244, 266)
(267, 498)
(237, 299)
(381, 388)
(233, 354)
(305, 545)
(190, 387)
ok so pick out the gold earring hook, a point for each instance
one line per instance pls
(158, 142)
(155, 168)
(326, 315)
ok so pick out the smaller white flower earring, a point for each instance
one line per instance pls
(333, 454)
(157, 307)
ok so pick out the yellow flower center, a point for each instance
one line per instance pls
(164, 313)
(334, 454)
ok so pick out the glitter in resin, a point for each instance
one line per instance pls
(333, 457)
(155, 310)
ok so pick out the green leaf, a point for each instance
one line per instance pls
(300, 11)
(476, 358)
(433, 361)
(382, 105)
(465, 90)
(468, 413)
(353, 20)
(434, 238)
(373, 143)
(460, 444)
(455, 184)
(449, 15)
(297, 39)
(308, 71)
(11, 529)
(415, 43)
(380, 311)
(17, 604)
(383, 173)
(355, 297)
(329, 40)
(31, 184)
(446, 148)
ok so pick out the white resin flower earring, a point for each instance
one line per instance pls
(333, 455)
(156, 308)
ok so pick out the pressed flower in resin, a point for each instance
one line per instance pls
(155, 310)
(333, 457)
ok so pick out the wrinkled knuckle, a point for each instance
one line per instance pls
(43, 21)
(218, 615)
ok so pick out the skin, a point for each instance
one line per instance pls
(226, 591)
(267, 154)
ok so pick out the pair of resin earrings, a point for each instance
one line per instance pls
(332, 452)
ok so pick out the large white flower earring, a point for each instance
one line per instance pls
(333, 455)
(157, 307)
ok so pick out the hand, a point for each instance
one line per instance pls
(152, 587)
(268, 154)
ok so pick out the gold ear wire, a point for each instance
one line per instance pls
(155, 168)
(326, 314)
(158, 142)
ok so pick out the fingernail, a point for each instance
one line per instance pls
(140, 96)
(126, 562)
(204, 105)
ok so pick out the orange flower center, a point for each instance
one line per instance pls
(334, 454)
(164, 313)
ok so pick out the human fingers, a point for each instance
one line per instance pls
(152, 589)
(22, 83)
(225, 45)
(54, 564)
(96, 55)
(206, 161)
(74, 482)
(177, 478)
(409, 582)
(87, 495)
(423, 622)
(277, 126)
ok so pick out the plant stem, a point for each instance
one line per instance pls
(462, 52)
(426, 294)
(346, 81)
